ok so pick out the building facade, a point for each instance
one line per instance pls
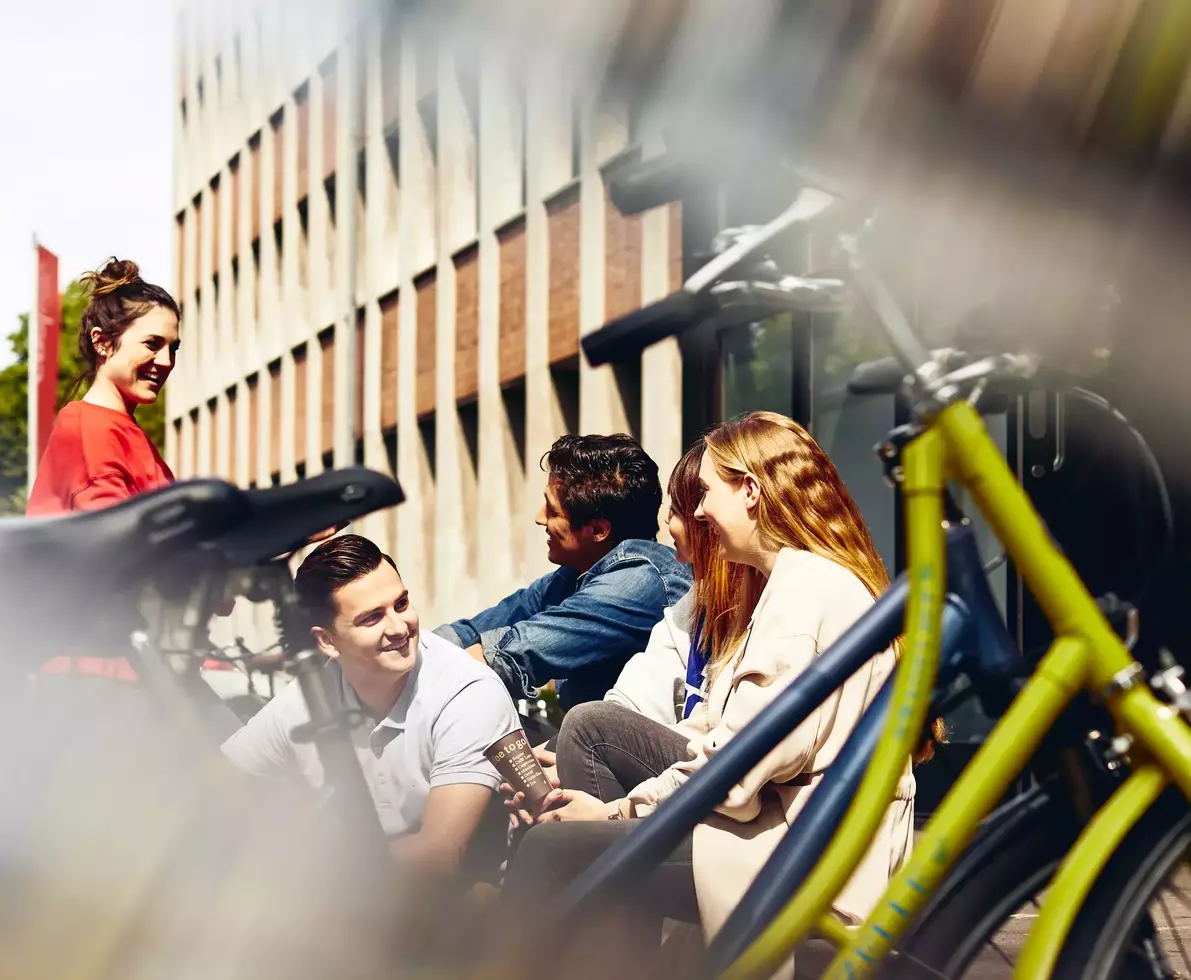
(484, 247)
(389, 246)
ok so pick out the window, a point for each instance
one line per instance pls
(758, 368)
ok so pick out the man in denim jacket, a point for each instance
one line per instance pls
(580, 623)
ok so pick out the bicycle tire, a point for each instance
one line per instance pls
(1008, 864)
(1101, 943)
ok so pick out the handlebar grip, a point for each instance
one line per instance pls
(630, 334)
(881, 377)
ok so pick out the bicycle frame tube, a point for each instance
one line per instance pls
(923, 487)
(983, 782)
(977, 463)
(811, 832)
(1082, 865)
(1060, 592)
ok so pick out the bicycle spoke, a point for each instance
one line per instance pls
(1173, 925)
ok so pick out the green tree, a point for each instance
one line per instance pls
(14, 387)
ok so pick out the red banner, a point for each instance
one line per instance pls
(49, 327)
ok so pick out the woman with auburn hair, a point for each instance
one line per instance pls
(810, 570)
(664, 681)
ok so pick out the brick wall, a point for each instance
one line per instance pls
(213, 442)
(326, 343)
(388, 360)
(232, 435)
(358, 426)
(275, 416)
(467, 324)
(562, 217)
(622, 261)
(278, 163)
(512, 300)
(254, 426)
(254, 167)
(301, 362)
(425, 287)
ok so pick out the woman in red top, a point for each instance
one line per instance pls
(97, 455)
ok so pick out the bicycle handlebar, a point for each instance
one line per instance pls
(635, 331)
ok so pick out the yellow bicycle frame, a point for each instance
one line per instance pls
(1086, 653)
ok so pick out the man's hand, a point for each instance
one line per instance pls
(515, 802)
(476, 652)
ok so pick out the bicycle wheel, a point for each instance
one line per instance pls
(975, 924)
(1136, 923)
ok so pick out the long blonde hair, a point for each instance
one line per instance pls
(803, 504)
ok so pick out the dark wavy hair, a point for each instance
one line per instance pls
(331, 566)
(608, 477)
(119, 296)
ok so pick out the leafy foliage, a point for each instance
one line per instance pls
(14, 387)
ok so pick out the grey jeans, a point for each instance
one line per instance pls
(605, 750)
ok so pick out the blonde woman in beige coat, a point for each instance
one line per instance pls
(780, 508)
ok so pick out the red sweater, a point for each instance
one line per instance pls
(95, 457)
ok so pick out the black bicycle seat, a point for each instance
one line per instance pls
(282, 519)
(63, 568)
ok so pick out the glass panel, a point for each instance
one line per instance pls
(758, 367)
(849, 426)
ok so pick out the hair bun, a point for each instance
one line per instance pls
(115, 274)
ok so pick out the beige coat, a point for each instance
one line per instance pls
(806, 604)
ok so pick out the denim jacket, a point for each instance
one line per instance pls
(577, 629)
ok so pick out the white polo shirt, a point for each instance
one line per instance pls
(451, 708)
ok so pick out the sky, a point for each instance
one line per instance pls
(86, 126)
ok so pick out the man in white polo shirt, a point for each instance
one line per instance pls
(431, 709)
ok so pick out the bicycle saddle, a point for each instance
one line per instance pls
(282, 519)
(123, 541)
(58, 575)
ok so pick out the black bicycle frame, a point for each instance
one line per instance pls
(981, 648)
